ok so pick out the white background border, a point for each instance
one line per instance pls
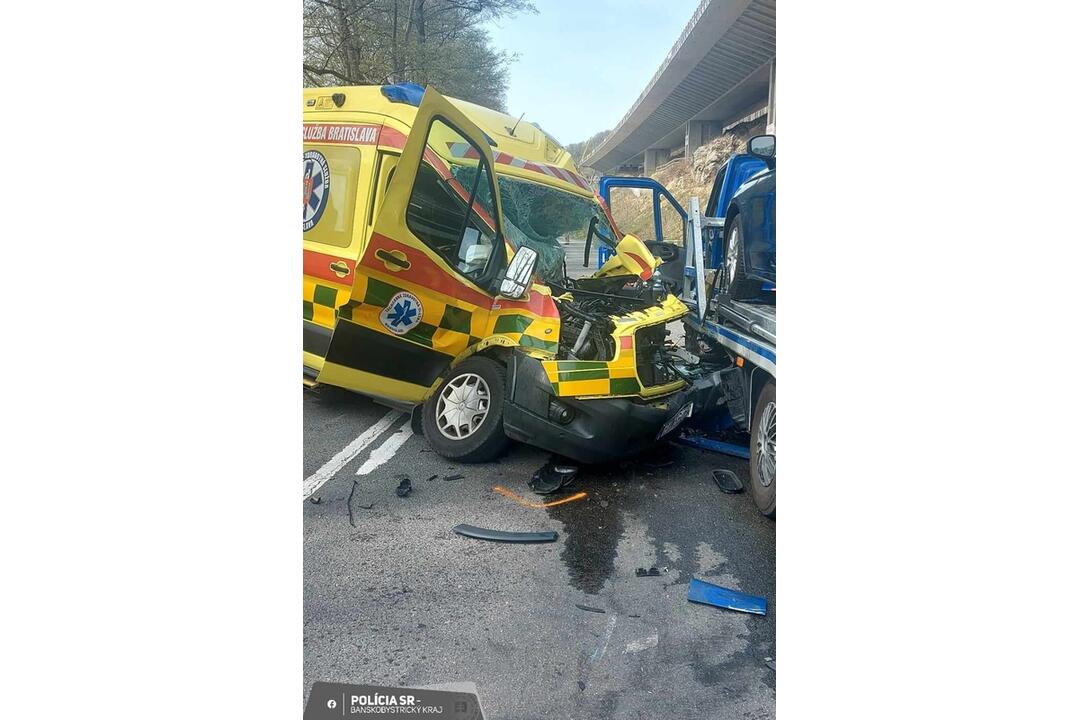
(152, 533)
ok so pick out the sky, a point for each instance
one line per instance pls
(583, 63)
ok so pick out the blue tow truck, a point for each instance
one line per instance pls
(725, 271)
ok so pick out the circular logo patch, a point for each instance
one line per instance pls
(316, 187)
(402, 313)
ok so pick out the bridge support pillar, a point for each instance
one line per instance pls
(655, 157)
(695, 137)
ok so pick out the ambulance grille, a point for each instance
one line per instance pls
(652, 367)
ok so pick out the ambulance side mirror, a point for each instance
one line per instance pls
(515, 284)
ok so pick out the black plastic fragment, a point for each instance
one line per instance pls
(504, 536)
(315, 499)
(452, 477)
(433, 477)
(651, 572)
(589, 608)
(404, 488)
(727, 481)
(552, 476)
(348, 503)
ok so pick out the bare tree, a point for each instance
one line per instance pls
(437, 42)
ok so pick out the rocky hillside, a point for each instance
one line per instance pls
(633, 209)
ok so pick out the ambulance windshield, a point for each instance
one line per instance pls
(549, 221)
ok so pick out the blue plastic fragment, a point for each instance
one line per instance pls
(405, 92)
(709, 594)
(714, 446)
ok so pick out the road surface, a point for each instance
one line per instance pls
(395, 598)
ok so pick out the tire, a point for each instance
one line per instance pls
(465, 389)
(698, 345)
(733, 281)
(762, 463)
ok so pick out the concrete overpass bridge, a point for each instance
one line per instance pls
(719, 73)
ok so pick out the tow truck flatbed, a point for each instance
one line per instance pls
(754, 318)
(758, 351)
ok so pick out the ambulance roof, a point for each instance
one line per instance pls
(528, 141)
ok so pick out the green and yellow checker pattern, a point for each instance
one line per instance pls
(594, 378)
(537, 334)
(443, 327)
(617, 377)
(321, 301)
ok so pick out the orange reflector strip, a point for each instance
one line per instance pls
(739, 362)
(528, 503)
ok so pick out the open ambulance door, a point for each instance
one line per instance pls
(425, 283)
(663, 226)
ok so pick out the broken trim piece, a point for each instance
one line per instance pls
(727, 481)
(504, 536)
(709, 594)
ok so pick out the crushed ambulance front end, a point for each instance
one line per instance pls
(613, 388)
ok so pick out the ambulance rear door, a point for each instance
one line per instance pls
(339, 168)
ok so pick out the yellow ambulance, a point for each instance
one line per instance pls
(435, 280)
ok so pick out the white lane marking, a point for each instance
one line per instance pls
(318, 478)
(387, 450)
(644, 643)
(602, 647)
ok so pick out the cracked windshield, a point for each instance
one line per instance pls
(545, 219)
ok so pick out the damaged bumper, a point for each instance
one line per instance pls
(589, 431)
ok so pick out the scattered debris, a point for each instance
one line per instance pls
(452, 477)
(368, 506)
(504, 536)
(581, 685)
(315, 499)
(528, 503)
(644, 643)
(552, 476)
(651, 572)
(433, 477)
(770, 663)
(349, 502)
(709, 594)
(727, 481)
(404, 488)
(588, 608)
(633, 616)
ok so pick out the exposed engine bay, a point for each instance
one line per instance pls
(588, 307)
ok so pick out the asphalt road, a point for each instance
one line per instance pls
(575, 257)
(393, 597)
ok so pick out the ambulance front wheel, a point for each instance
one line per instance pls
(463, 419)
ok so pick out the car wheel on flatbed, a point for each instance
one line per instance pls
(763, 451)
(733, 281)
(463, 419)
